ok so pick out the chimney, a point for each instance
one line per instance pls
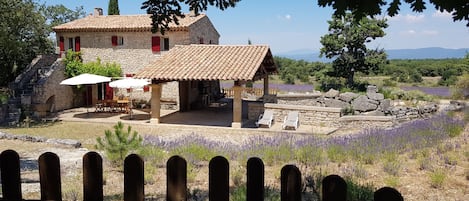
(192, 13)
(98, 11)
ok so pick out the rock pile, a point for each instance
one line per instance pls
(28, 138)
(372, 101)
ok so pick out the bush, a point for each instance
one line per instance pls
(118, 144)
(74, 66)
(437, 178)
(358, 192)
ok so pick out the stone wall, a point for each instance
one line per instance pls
(49, 88)
(367, 122)
(309, 115)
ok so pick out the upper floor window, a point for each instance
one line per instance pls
(157, 46)
(117, 40)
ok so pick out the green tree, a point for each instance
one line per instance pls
(346, 42)
(22, 37)
(118, 144)
(113, 7)
(59, 14)
(164, 12)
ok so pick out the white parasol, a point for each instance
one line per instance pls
(84, 79)
(129, 83)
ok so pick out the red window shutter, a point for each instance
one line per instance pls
(77, 44)
(114, 40)
(146, 88)
(61, 45)
(155, 44)
(129, 75)
(109, 95)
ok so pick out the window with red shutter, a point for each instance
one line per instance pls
(77, 44)
(114, 40)
(129, 75)
(155, 44)
(146, 88)
(61, 45)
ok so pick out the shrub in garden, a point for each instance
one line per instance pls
(437, 178)
(118, 144)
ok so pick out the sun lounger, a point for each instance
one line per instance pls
(291, 120)
(266, 119)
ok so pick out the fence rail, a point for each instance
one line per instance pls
(334, 187)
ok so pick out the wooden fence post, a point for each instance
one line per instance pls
(255, 180)
(176, 179)
(388, 194)
(49, 176)
(290, 189)
(133, 178)
(219, 179)
(92, 177)
(10, 175)
(334, 188)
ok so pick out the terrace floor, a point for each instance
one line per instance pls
(210, 119)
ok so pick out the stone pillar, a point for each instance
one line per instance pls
(237, 106)
(155, 103)
(266, 84)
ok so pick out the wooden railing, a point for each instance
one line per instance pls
(334, 187)
(229, 92)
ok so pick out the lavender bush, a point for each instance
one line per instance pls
(365, 147)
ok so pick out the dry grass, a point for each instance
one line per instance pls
(412, 181)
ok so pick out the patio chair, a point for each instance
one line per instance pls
(266, 119)
(291, 121)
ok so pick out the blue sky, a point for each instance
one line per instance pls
(286, 26)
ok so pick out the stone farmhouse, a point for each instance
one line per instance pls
(124, 39)
(128, 41)
(185, 65)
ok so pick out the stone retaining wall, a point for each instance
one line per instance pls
(321, 116)
(367, 122)
(309, 115)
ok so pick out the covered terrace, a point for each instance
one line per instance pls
(209, 63)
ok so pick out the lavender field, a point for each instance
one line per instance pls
(280, 87)
(420, 158)
(444, 92)
(410, 136)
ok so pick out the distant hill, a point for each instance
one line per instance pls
(420, 53)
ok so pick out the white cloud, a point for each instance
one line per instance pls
(430, 32)
(286, 17)
(408, 18)
(414, 18)
(438, 14)
(408, 32)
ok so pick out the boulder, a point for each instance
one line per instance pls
(332, 93)
(348, 96)
(385, 105)
(371, 89)
(363, 104)
(375, 96)
(336, 103)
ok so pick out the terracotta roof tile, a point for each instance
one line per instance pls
(121, 23)
(210, 62)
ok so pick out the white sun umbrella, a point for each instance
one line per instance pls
(84, 79)
(129, 83)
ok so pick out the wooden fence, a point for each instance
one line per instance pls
(229, 92)
(334, 187)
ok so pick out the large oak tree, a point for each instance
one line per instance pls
(346, 43)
